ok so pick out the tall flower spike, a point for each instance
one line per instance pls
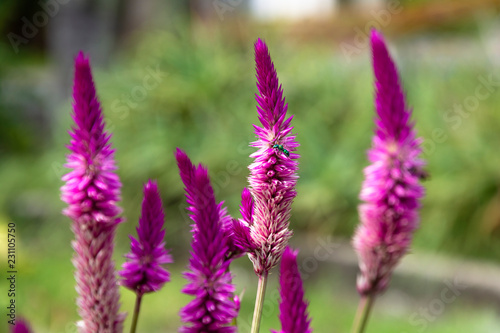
(273, 174)
(391, 189)
(293, 307)
(214, 306)
(143, 273)
(91, 192)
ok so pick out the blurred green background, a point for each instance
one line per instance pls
(181, 74)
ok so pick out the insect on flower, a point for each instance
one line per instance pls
(420, 173)
(280, 147)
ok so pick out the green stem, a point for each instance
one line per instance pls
(136, 313)
(259, 303)
(363, 313)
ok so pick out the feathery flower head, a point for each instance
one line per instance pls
(214, 306)
(293, 307)
(91, 192)
(143, 273)
(391, 189)
(263, 230)
(92, 188)
(21, 326)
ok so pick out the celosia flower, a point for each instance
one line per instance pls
(263, 231)
(293, 307)
(143, 272)
(21, 326)
(391, 190)
(91, 192)
(214, 306)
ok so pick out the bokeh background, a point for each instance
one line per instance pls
(181, 74)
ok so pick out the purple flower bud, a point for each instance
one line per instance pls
(21, 326)
(143, 273)
(391, 190)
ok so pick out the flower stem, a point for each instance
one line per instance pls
(362, 314)
(136, 313)
(259, 302)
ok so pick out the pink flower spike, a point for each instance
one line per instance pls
(293, 306)
(91, 192)
(391, 191)
(142, 272)
(273, 174)
(209, 280)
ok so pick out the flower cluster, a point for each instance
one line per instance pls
(391, 196)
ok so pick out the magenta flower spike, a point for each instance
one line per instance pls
(142, 272)
(209, 279)
(391, 189)
(293, 307)
(91, 192)
(21, 326)
(263, 231)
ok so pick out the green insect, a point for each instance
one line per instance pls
(280, 147)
